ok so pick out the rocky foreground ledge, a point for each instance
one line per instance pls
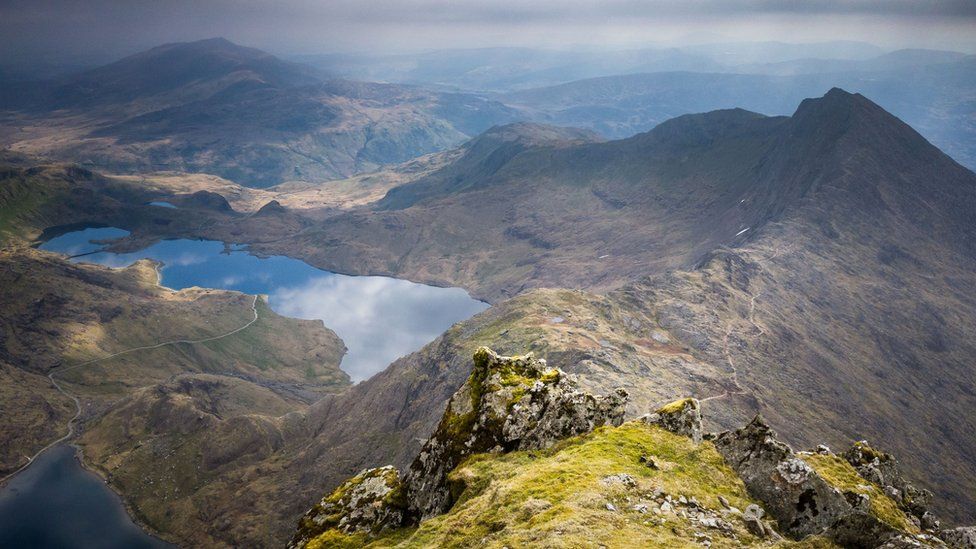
(523, 457)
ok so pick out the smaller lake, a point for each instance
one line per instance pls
(55, 503)
(379, 318)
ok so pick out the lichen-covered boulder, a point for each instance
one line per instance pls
(812, 493)
(370, 502)
(682, 417)
(800, 501)
(882, 469)
(506, 404)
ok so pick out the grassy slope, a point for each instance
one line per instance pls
(33, 413)
(559, 498)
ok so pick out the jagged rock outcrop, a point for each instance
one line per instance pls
(801, 501)
(370, 501)
(960, 538)
(854, 500)
(882, 469)
(682, 417)
(816, 493)
(507, 403)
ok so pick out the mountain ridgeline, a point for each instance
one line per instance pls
(930, 90)
(572, 211)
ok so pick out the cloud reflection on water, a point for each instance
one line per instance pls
(380, 319)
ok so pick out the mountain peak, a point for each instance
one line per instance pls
(848, 120)
(835, 102)
(217, 45)
(173, 68)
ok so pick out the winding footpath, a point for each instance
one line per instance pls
(727, 352)
(77, 402)
(736, 388)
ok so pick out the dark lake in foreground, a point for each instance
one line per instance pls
(55, 503)
(379, 318)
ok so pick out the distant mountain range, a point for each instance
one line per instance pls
(816, 268)
(215, 107)
(512, 68)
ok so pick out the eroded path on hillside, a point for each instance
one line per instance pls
(736, 387)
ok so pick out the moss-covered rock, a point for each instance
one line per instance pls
(881, 469)
(523, 458)
(506, 404)
(366, 504)
(682, 417)
(814, 493)
(590, 490)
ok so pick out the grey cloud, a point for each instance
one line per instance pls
(123, 26)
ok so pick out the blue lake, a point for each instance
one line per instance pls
(380, 319)
(55, 503)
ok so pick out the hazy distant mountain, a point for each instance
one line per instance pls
(215, 107)
(741, 53)
(507, 69)
(936, 96)
(896, 60)
(500, 69)
(175, 74)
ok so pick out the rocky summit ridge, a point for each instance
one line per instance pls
(506, 404)
(522, 457)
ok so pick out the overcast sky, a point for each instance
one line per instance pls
(116, 27)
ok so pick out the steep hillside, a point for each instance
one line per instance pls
(216, 107)
(845, 289)
(829, 298)
(78, 322)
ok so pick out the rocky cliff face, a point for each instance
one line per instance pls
(552, 456)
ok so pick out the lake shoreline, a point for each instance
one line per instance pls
(134, 516)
